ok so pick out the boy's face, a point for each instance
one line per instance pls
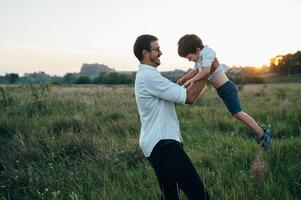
(194, 56)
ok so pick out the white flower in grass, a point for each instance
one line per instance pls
(73, 196)
(55, 193)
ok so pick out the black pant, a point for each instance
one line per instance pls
(174, 169)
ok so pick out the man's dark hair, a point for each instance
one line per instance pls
(188, 44)
(143, 42)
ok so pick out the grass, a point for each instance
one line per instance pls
(81, 142)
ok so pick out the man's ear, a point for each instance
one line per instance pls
(198, 50)
(144, 53)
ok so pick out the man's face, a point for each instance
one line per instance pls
(154, 54)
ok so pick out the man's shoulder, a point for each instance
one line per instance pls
(147, 77)
(148, 74)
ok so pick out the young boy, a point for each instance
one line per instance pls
(192, 48)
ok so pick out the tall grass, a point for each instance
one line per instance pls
(81, 142)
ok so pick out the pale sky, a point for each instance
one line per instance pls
(58, 36)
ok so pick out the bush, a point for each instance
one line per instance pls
(247, 79)
(83, 80)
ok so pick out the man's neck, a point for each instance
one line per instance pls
(148, 63)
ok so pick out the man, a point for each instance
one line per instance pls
(160, 137)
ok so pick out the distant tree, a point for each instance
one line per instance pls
(119, 78)
(112, 78)
(246, 79)
(3, 79)
(100, 79)
(56, 79)
(290, 63)
(12, 77)
(36, 77)
(69, 78)
(115, 78)
(173, 75)
(83, 80)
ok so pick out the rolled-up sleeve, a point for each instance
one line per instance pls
(208, 56)
(161, 87)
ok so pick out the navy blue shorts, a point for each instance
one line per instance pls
(229, 94)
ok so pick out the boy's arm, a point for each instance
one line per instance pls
(188, 76)
(208, 58)
(197, 88)
(204, 73)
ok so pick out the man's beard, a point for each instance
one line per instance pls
(155, 61)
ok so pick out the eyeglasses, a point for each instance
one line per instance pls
(156, 49)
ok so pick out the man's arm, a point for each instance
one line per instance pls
(198, 88)
(188, 76)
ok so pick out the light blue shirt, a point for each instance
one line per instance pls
(206, 58)
(155, 98)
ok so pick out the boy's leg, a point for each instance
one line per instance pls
(263, 133)
(250, 122)
(229, 94)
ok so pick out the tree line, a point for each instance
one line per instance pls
(282, 64)
(102, 78)
(290, 63)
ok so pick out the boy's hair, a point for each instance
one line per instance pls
(188, 44)
(143, 42)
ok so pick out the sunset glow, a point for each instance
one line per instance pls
(59, 36)
(277, 60)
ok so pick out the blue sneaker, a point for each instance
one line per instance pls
(266, 138)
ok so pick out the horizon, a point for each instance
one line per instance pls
(119, 71)
(57, 37)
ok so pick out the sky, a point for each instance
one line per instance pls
(58, 36)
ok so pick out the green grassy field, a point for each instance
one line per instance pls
(81, 142)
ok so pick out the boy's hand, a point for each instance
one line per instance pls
(180, 81)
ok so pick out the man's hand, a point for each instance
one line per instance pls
(214, 65)
(189, 84)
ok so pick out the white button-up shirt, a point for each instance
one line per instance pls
(155, 98)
